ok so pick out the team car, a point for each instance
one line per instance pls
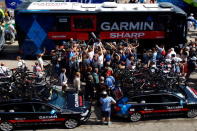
(157, 104)
(68, 109)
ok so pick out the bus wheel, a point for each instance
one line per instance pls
(6, 126)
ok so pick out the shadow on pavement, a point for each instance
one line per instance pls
(10, 52)
(192, 82)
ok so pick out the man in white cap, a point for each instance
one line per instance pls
(106, 102)
(191, 21)
(191, 16)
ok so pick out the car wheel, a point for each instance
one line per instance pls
(135, 117)
(71, 123)
(6, 126)
(192, 113)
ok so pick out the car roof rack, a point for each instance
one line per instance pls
(4, 101)
(152, 91)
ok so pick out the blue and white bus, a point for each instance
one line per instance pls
(44, 24)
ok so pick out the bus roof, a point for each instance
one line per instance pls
(103, 7)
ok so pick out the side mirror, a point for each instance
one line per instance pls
(182, 102)
(53, 112)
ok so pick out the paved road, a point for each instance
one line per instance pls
(181, 124)
(160, 125)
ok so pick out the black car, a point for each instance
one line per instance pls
(158, 103)
(68, 109)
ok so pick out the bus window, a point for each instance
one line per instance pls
(62, 24)
(83, 23)
(164, 22)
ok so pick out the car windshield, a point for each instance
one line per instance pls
(58, 100)
(181, 93)
(68, 100)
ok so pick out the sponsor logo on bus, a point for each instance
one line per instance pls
(68, 35)
(118, 26)
(126, 35)
(132, 35)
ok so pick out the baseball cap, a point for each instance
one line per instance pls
(104, 93)
(194, 58)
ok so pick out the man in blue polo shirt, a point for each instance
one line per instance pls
(106, 102)
(110, 82)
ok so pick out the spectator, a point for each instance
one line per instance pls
(184, 68)
(191, 66)
(152, 1)
(21, 63)
(102, 86)
(106, 102)
(7, 16)
(160, 52)
(4, 71)
(191, 21)
(108, 69)
(110, 81)
(95, 62)
(145, 58)
(100, 58)
(192, 52)
(38, 71)
(2, 16)
(130, 62)
(40, 61)
(91, 52)
(170, 52)
(108, 56)
(154, 55)
(90, 88)
(63, 80)
(74, 66)
(77, 82)
(12, 32)
(95, 75)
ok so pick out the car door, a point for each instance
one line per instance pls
(19, 114)
(46, 114)
(150, 105)
(172, 105)
(142, 104)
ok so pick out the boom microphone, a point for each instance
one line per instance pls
(93, 35)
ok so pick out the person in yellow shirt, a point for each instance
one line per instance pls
(2, 15)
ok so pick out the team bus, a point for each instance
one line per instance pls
(44, 24)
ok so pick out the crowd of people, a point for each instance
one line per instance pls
(88, 67)
(78, 63)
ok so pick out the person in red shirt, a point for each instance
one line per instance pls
(38, 71)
